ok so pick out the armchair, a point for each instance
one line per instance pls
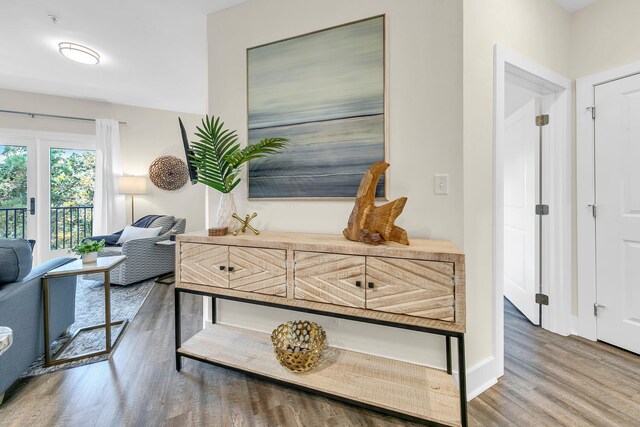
(145, 259)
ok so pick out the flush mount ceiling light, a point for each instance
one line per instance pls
(79, 53)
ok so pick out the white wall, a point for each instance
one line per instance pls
(425, 137)
(148, 134)
(604, 35)
(538, 29)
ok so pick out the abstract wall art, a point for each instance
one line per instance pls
(325, 92)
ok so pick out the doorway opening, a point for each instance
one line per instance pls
(532, 195)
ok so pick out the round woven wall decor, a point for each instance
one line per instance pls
(168, 173)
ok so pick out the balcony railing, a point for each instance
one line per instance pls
(70, 225)
(13, 222)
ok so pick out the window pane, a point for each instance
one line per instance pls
(72, 186)
(13, 191)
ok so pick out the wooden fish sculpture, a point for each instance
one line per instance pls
(373, 224)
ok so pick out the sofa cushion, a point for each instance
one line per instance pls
(165, 222)
(15, 260)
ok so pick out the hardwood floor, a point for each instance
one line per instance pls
(552, 380)
(549, 380)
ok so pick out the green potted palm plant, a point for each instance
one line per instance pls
(217, 159)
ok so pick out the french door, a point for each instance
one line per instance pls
(46, 189)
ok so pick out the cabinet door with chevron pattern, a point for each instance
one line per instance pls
(329, 278)
(204, 264)
(258, 270)
(412, 287)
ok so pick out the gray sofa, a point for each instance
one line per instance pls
(21, 307)
(145, 259)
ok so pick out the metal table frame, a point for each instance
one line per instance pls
(50, 359)
(447, 334)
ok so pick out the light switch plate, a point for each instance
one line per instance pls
(440, 184)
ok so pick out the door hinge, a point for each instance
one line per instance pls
(454, 279)
(593, 111)
(542, 209)
(542, 120)
(596, 306)
(594, 210)
(542, 299)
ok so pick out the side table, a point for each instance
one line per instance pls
(6, 338)
(78, 268)
(168, 278)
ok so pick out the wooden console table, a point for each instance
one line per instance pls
(419, 287)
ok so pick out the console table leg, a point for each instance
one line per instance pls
(462, 370)
(448, 341)
(213, 310)
(178, 327)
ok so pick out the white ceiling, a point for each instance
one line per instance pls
(574, 5)
(153, 52)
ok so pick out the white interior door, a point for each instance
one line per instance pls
(520, 230)
(617, 160)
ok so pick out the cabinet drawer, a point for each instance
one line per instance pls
(412, 287)
(263, 271)
(200, 263)
(329, 278)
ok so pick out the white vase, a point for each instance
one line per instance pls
(90, 258)
(226, 209)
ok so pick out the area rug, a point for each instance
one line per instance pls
(125, 303)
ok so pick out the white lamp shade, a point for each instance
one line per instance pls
(132, 185)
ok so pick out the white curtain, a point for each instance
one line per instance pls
(108, 206)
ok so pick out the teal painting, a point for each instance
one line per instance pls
(325, 92)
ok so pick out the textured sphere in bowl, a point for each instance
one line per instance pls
(298, 344)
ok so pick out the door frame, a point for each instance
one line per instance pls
(43, 140)
(556, 317)
(585, 186)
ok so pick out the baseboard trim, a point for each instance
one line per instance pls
(480, 377)
(574, 325)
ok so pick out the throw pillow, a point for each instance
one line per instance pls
(166, 222)
(15, 260)
(133, 233)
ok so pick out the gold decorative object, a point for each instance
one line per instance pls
(298, 344)
(168, 173)
(373, 224)
(244, 224)
(218, 231)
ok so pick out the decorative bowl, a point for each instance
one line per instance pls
(298, 344)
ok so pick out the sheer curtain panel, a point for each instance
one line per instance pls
(109, 206)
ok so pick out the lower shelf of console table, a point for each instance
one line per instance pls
(403, 389)
(379, 382)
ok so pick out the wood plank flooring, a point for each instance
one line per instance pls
(549, 380)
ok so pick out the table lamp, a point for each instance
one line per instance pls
(132, 185)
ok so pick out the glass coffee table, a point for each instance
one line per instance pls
(78, 268)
